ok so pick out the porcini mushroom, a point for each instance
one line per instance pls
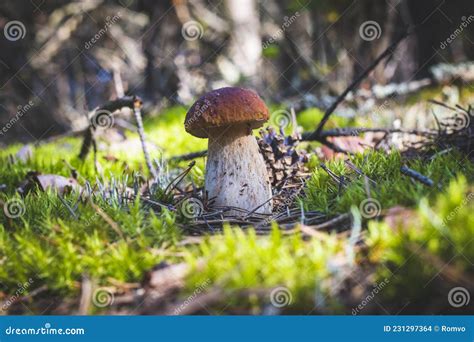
(236, 174)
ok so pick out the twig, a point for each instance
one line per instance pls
(88, 141)
(174, 183)
(110, 107)
(338, 219)
(336, 132)
(126, 101)
(331, 174)
(388, 51)
(416, 175)
(354, 131)
(137, 108)
(358, 171)
(86, 295)
(108, 219)
(442, 104)
(189, 156)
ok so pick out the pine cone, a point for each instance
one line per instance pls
(285, 164)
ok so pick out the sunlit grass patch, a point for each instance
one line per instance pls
(113, 241)
(430, 251)
(391, 187)
(239, 260)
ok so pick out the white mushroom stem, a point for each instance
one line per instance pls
(236, 174)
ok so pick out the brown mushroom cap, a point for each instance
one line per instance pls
(225, 107)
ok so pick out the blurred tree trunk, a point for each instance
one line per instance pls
(20, 83)
(160, 45)
(245, 45)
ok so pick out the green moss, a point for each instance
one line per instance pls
(437, 237)
(54, 248)
(240, 260)
(309, 118)
(392, 188)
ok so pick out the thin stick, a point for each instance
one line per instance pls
(189, 156)
(338, 219)
(416, 176)
(137, 108)
(107, 219)
(174, 183)
(86, 295)
(388, 51)
(354, 131)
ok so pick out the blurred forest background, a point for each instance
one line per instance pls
(70, 57)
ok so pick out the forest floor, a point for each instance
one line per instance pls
(384, 241)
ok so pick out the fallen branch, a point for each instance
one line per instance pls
(416, 176)
(108, 107)
(189, 156)
(389, 51)
(137, 111)
(355, 131)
